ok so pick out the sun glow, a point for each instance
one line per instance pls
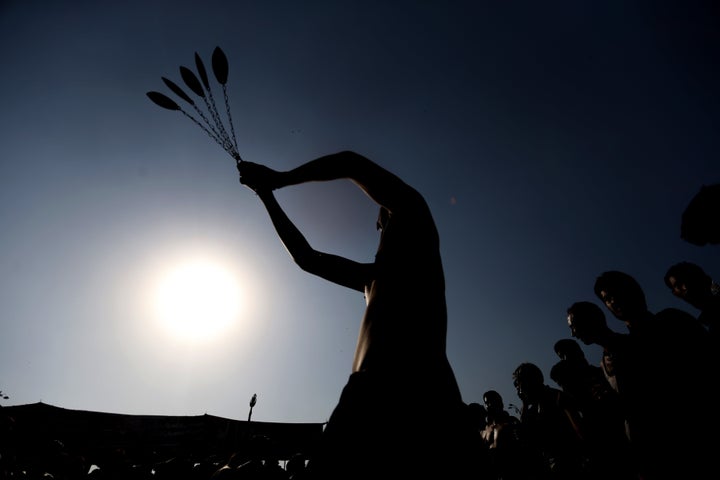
(198, 300)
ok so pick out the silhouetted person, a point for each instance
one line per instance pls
(626, 373)
(501, 438)
(587, 383)
(587, 323)
(550, 427)
(569, 349)
(499, 420)
(402, 399)
(477, 417)
(607, 444)
(689, 282)
(672, 349)
(700, 223)
(575, 375)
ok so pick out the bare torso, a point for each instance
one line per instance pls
(405, 323)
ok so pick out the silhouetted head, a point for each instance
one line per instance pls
(563, 373)
(493, 401)
(689, 282)
(621, 294)
(529, 381)
(586, 321)
(569, 349)
(477, 415)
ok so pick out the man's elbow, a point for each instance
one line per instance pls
(306, 260)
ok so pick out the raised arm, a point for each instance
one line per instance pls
(333, 268)
(384, 187)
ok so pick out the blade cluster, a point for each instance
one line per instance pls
(214, 125)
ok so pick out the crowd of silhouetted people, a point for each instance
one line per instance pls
(631, 415)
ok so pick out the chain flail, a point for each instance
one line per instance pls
(215, 129)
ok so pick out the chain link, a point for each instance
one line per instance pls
(227, 109)
(225, 144)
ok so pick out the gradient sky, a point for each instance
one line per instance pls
(552, 140)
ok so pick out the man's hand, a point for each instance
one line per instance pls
(258, 177)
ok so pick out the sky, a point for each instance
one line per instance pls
(552, 140)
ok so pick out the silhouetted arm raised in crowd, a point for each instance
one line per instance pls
(384, 187)
(334, 268)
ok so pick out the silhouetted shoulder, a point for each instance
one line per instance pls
(680, 319)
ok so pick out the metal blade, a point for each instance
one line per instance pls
(220, 65)
(192, 81)
(201, 70)
(162, 101)
(178, 91)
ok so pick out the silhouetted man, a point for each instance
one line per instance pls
(402, 400)
(689, 282)
(676, 352)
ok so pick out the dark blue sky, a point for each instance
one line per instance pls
(552, 140)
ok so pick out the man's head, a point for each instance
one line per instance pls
(621, 294)
(586, 321)
(493, 401)
(477, 415)
(569, 349)
(529, 381)
(689, 282)
(564, 373)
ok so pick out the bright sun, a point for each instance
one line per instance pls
(197, 300)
